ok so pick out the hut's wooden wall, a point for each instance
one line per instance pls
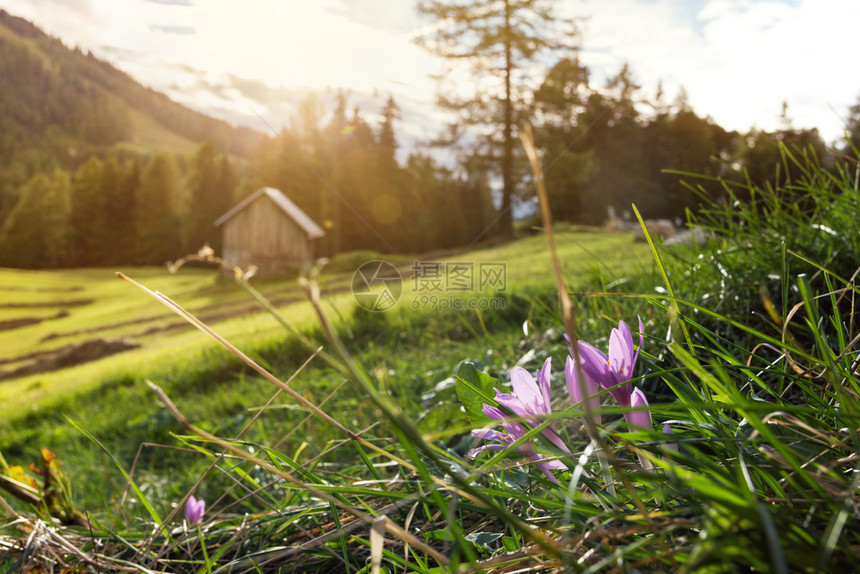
(263, 235)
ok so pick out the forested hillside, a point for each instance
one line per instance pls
(59, 105)
(96, 169)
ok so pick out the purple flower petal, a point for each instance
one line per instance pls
(641, 341)
(667, 429)
(493, 412)
(527, 391)
(640, 419)
(531, 401)
(544, 376)
(574, 388)
(488, 434)
(476, 451)
(515, 430)
(555, 439)
(513, 404)
(613, 371)
(606, 372)
(545, 468)
(554, 464)
(595, 363)
(194, 510)
(621, 352)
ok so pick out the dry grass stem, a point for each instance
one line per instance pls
(569, 323)
(176, 308)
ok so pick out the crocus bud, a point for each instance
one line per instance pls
(194, 510)
(641, 418)
(667, 429)
(575, 386)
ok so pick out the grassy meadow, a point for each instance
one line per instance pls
(722, 437)
(414, 345)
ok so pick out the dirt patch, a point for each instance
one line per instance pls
(28, 357)
(18, 323)
(108, 327)
(93, 349)
(71, 355)
(48, 304)
(41, 289)
(27, 321)
(208, 314)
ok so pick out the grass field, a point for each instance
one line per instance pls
(79, 306)
(720, 438)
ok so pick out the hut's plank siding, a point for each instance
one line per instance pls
(269, 231)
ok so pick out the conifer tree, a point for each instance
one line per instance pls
(36, 233)
(500, 41)
(211, 193)
(763, 161)
(88, 217)
(159, 236)
(617, 136)
(559, 108)
(119, 188)
(851, 146)
(387, 141)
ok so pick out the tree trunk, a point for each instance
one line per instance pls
(506, 221)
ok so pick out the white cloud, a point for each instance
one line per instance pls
(395, 15)
(737, 59)
(71, 20)
(289, 42)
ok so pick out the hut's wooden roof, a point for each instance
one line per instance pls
(292, 210)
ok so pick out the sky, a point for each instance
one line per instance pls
(252, 61)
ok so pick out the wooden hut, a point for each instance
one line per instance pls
(269, 231)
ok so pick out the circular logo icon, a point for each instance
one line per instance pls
(377, 285)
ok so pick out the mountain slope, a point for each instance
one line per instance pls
(59, 105)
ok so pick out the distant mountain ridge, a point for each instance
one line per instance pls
(59, 105)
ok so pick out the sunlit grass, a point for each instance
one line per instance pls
(111, 302)
(758, 473)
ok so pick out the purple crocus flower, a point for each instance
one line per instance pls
(616, 368)
(194, 510)
(530, 401)
(512, 433)
(614, 371)
(574, 388)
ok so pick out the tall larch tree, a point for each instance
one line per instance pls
(501, 42)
